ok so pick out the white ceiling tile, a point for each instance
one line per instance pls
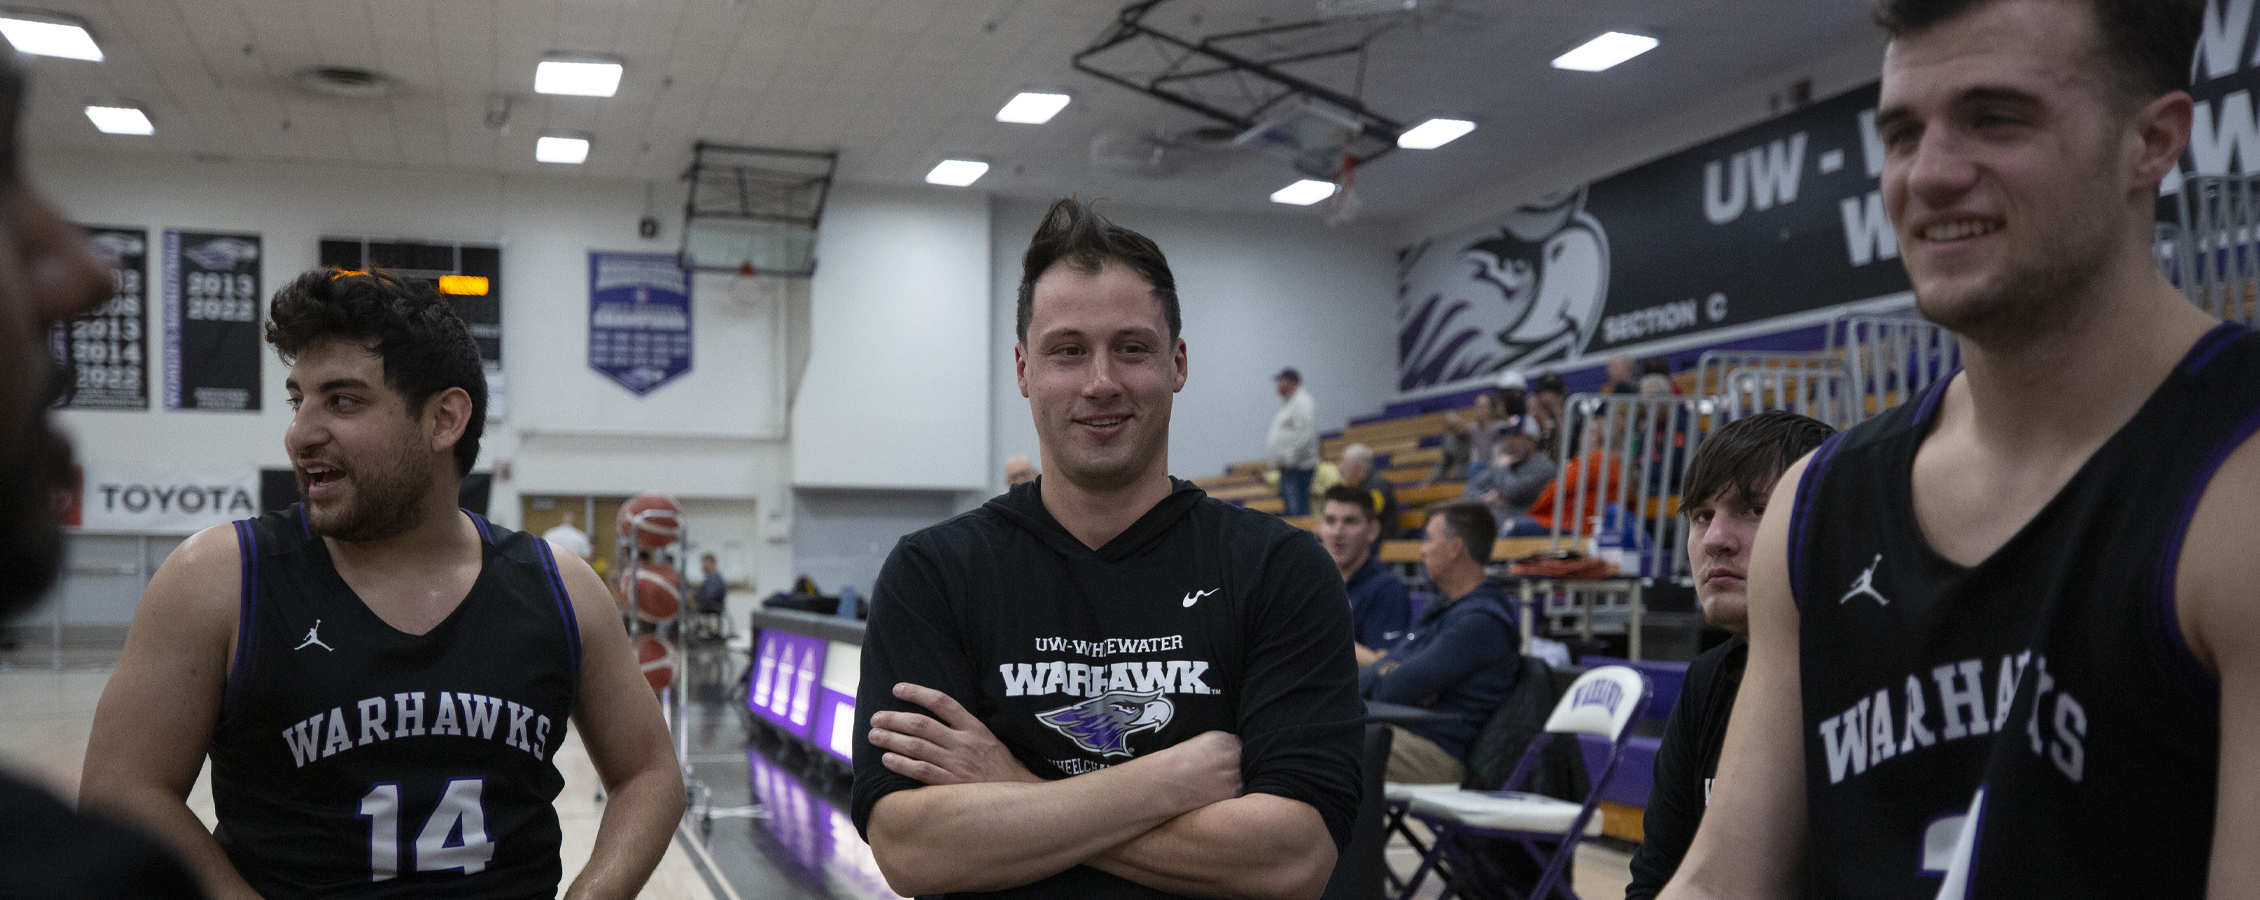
(891, 83)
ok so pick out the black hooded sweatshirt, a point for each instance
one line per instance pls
(1200, 617)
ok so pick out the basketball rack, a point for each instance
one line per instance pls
(674, 699)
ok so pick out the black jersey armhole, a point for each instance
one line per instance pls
(1801, 518)
(246, 615)
(2163, 614)
(565, 611)
(480, 522)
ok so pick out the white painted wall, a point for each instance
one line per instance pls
(716, 437)
(896, 391)
(1256, 292)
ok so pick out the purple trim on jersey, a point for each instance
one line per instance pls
(480, 522)
(565, 609)
(305, 525)
(1937, 392)
(2212, 343)
(1800, 520)
(247, 609)
(2181, 662)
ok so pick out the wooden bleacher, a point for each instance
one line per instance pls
(1408, 550)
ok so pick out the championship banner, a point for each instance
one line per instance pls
(104, 350)
(212, 341)
(162, 501)
(1781, 218)
(639, 319)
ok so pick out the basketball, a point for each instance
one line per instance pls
(619, 586)
(659, 592)
(653, 518)
(658, 661)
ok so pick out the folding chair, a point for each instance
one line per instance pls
(1601, 702)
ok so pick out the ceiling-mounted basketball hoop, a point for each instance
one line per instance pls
(754, 288)
(753, 211)
(1292, 89)
(1341, 207)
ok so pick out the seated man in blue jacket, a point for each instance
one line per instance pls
(1461, 658)
(1350, 530)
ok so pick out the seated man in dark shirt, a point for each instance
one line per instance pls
(1462, 656)
(1380, 611)
(1728, 482)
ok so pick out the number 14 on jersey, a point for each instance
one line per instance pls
(460, 815)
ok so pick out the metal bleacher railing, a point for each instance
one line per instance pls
(2214, 250)
(1625, 456)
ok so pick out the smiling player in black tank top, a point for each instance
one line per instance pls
(2004, 639)
(380, 679)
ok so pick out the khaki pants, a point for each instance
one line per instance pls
(1417, 760)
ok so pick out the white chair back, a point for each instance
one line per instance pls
(1601, 701)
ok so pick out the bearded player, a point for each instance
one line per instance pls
(380, 680)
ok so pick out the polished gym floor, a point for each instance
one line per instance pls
(765, 822)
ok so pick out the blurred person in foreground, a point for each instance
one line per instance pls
(47, 277)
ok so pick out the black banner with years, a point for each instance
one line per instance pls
(105, 350)
(212, 299)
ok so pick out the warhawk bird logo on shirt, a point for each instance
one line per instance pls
(1104, 724)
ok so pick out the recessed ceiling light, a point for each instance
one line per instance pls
(120, 120)
(1605, 52)
(583, 76)
(47, 34)
(558, 148)
(1434, 133)
(1304, 192)
(957, 172)
(1031, 108)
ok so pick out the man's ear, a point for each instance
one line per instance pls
(2161, 129)
(1020, 366)
(447, 416)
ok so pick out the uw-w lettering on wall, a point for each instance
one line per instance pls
(1781, 219)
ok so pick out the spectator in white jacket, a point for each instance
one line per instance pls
(1293, 443)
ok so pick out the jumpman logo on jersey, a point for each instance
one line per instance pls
(1865, 584)
(315, 639)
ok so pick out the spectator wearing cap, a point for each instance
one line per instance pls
(1518, 474)
(1293, 442)
(1514, 391)
(1356, 467)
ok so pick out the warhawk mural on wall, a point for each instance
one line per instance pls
(1525, 291)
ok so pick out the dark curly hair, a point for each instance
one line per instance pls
(1075, 235)
(425, 346)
